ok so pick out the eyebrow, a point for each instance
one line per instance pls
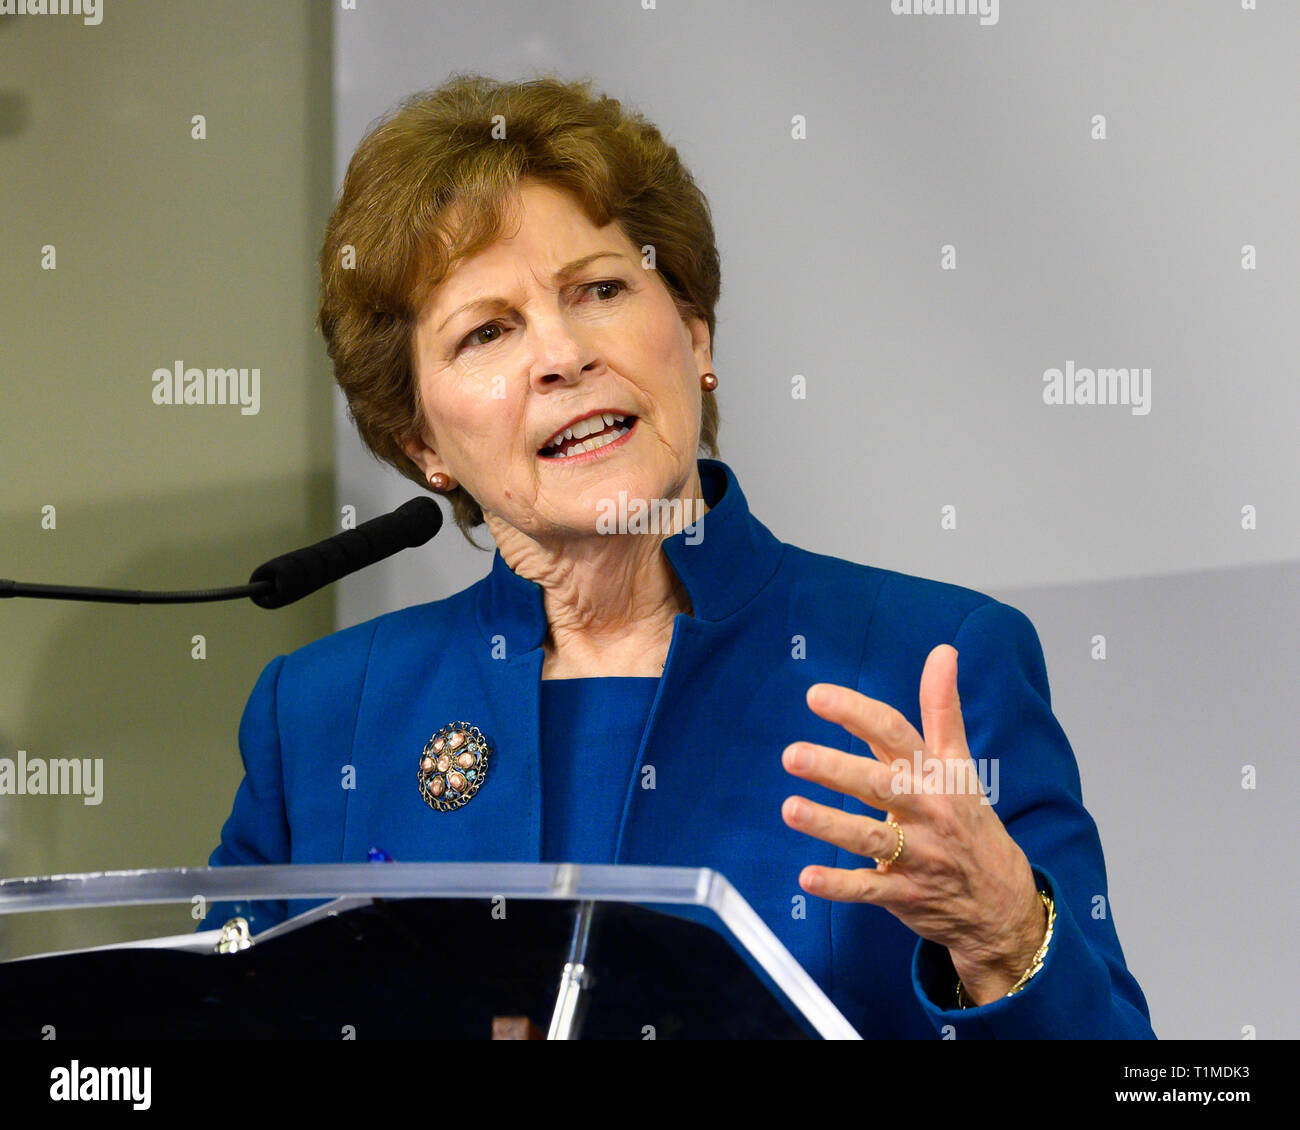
(565, 272)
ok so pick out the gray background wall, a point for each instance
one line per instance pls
(925, 385)
(167, 248)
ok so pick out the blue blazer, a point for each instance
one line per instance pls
(769, 620)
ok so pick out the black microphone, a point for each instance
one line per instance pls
(297, 574)
(283, 579)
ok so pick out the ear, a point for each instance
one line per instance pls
(701, 343)
(423, 456)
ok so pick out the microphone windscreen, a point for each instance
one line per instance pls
(300, 573)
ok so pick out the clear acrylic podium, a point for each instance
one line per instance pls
(411, 950)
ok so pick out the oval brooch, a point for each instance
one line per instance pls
(453, 766)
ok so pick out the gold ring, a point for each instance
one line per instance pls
(884, 865)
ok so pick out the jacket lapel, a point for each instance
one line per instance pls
(479, 660)
(419, 679)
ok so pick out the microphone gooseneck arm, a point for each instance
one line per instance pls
(283, 579)
(130, 596)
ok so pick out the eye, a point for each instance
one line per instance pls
(608, 282)
(470, 338)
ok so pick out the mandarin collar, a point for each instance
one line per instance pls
(722, 570)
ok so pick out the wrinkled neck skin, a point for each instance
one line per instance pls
(610, 599)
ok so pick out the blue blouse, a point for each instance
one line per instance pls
(591, 731)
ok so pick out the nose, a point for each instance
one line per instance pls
(560, 352)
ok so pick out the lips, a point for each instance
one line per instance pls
(588, 433)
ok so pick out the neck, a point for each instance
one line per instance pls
(606, 596)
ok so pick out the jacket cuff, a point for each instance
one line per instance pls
(1069, 998)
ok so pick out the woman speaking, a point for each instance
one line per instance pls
(519, 284)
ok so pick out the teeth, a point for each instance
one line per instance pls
(586, 427)
(592, 444)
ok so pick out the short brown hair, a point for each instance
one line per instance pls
(390, 240)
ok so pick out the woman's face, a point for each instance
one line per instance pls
(523, 339)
